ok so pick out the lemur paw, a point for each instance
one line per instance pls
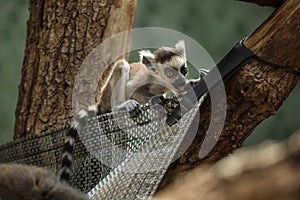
(131, 106)
(203, 72)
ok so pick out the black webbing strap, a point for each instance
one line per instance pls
(276, 66)
(236, 58)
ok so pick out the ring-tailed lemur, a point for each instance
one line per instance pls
(158, 72)
(24, 182)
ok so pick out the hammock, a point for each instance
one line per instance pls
(143, 166)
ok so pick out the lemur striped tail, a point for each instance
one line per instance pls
(67, 156)
(80, 121)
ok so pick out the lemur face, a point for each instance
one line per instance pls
(168, 66)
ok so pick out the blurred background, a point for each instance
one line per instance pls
(216, 24)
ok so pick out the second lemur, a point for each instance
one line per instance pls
(156, 73)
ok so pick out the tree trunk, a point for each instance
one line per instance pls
(60, 34)
(254, 93)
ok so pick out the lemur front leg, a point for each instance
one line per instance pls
(114, 92)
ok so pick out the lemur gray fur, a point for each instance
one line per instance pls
(24, 182)
(157, 73)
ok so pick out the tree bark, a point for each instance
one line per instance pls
(60, 34)
(254, 93)
(247, 175)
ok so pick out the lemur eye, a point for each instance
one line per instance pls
(183, 70)
(169, 73)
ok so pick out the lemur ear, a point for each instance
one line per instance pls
(147, 58)
(180, 46)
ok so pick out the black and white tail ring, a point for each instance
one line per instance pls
(80, 121)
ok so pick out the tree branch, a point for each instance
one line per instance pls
(254, 93)
(247, 175)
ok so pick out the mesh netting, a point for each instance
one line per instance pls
(129, 155)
